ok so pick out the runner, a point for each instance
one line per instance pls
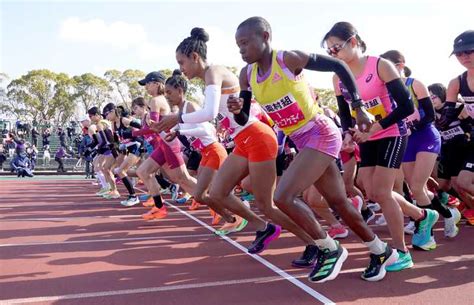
(276, 80)
(381, 146)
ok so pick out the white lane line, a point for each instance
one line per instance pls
(263, 261)
(66, 218)
(157, 237)
(140, 290)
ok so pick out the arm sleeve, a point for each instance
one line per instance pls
(102, 139)
(405, 107)
(344, 113)
(155, 116)
(328, 64)
(427, 106)
(210, 110)
(198, 130)
(243, 117)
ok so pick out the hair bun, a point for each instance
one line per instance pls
(200, 34)
(177, 72)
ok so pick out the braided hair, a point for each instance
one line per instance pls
(177, 81)
(195, 43)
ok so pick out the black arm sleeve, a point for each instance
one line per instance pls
(135, 124)
(103, 139)
(344, 113)
(405, 107)
(94, 142)
(324, 63)
(243, 117)
(427, 106)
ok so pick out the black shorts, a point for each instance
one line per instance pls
(469, 163)
(134, 149)
(194, 158)
(386, 152)
(281, 164)
(452, 159)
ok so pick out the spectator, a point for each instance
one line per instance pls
(3, 157)
(60, 155)
(46, 135)
(21, 164)
(84, 152)
(62, 136)
(34, 136)
(32, 153)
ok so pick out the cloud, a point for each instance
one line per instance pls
(116, 34)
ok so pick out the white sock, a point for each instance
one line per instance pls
(102, 180)
(326, 243)
(376, 246)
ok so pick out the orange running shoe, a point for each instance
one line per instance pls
(194, 205)
(216, 218)
(149, 203)
(469, 215)
(155, 213)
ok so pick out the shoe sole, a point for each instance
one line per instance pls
(430, 229)
(340, 235)
(407, 267)
(129, 205)
(391, 260)
(370, 218)
(337, 268)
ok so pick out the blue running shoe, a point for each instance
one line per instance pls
(404, 261)
(422, 239)
(144, 197)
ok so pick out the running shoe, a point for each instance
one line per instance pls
(381, 221)
(183, 199)
(248, 197)
(338, 231)
(263, 238)
(103, 191)
(469, 215)
(453, 201)
(308, 259)
(194, 205)
(174, 190)
(149, 202)
(422, 239)
(216, 218)
(368, 215)
(328, 264)
(374, 206)
(410, 228)
(112, 195)
(246, 203)
(444, 198)
(450, 224)
(357, 202)
(165, 191)
(404, 261)
(155, 213)
(144, 197)
(376, 269)
(131, 201)
(231, 227)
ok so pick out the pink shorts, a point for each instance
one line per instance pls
(164, 153)
(320, 134)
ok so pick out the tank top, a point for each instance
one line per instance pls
(467, 95)
(376, 99)
(201, 141)
(285, 97)
(419, 113)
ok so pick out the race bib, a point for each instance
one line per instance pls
(196, 143)
(469, 109)
(285, 112)
(224, 123)
(374, 107)
(451, 133)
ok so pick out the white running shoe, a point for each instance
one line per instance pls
(381, 221)
(131, 201)
(374, 206)
(450, 224)
(410, 228)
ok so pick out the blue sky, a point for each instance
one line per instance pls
(76, 37)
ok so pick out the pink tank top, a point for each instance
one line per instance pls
(376, 99)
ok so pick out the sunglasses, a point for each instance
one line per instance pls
(468, 52)
(337, 48)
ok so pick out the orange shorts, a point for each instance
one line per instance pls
(213, 155)
(257, 143)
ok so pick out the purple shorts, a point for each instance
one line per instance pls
(164, 153)
(320, 134)
(425, 140)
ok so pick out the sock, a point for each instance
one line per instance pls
(102, 180)
(376, 246)
(326, 243)
(441, 209)
(128, 184)
(158, 201)
(424, 215)
(162, 181)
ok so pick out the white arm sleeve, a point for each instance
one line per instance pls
(197, 130)
(212, 100)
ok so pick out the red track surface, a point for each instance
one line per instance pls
(59, 244)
